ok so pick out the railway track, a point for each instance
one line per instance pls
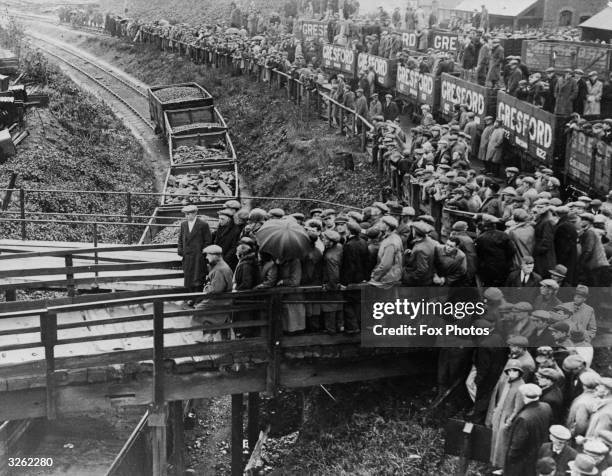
(53, 22)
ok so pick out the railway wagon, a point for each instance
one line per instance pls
(192, 121)
(588, 164)
(214, 182)
(541, 54)
(456, 91)
(533, 134)
(203, 147)
(175, 96)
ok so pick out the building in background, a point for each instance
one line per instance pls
(598, 27)
(571, 12)
(515, 14)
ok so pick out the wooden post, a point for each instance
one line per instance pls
(129, 217)
(178, 437)
(364, 137)
(95, 243)
(341, 120)
(69, 276)
(157, 423)
(253, 419)
(157, 417)
(462, 467)
(329, 113)
(48, 338)
(275, 333)
(158, 351)
(237, 434)
(22, 213)
(10, 295)
(4, 449)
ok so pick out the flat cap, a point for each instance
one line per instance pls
(560, 326)
(523, 306)
(545, 465)
(551, 283)
(354, 228)
(427, 219)
(315, 211)
(235, 204)
(460, 226)
(590, 378)
(277, 213)
(512, 169)
(341, 219)
(518, 341)
(327, 212)
(541, 314)
(573, 362)
(588, 217)
(530, 390)
(582, 290)
(408, 212)
(228, 212)
(493, 294)
(560, 432)
(213, 250)
(390, 221)
(189, 209)
(550, 374)
(558, 270)
(298, 216)
(550, 70)
(358, 217)
(595, 446)
(513, 364)
(421, 227)
(332, 235)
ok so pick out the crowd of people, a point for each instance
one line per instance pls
(541, 259)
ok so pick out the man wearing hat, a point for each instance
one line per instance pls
(459, 230)
(544, 229)
(582, 465)
(388, 269)
(593, 265)
(551, 79)
(524, 281)
(584, 404)
(546, 467)
(390, 109)
(227, 236)
(511, 176)
(376, 108)
(598, 450)
(566, 91)
(340, 225)
(361, 108)
(496, 62)
(566, 239)
(514, 78)
(581, 84)
(518, 350)
(558, 448)
(495, 253)
(541, 337)
(355, 258)
(547, 299)
(332, 262)
(601, 420)
(582, 315)
(194, 236)
(548, 380)
(527, 433)
(328, 216)
(419, 264)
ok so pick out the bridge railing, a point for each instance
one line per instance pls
(257, 315)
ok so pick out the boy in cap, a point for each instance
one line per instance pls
(194, 236)
(227, 236)
(582, 315)
(558, 448)
(547, 380)
(547, 299)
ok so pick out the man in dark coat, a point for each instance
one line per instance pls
(514, 78)
(528, 431)
(547, 380)
(525, 280)
(390, 109)
(494, 251)
(558, 449)
(549, 103)
(332, 263)
(227, 236)
(566, 91)
(353, 271)
(194, 236)
(419, 264)
(565, 239)
(582, 91)
(544, 249)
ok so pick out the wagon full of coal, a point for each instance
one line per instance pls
(175, 96)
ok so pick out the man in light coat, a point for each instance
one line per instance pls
(495, 146)
(582, 316)
(592, 105)
(388, 269)
(566, 91)
(484, 140)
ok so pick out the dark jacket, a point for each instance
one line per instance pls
(312, 272)
(268, 275)
(514, 281)
(513, 81)
(528, 431)
(190, 246)
(246, 275)
(227, 237)
(544, 249)
(489, 360)
(566, 249)
(419, 265)
(494, 251)
(332, 263)
(390, 111)
(549, 103)
(561, 459)
(554, 397)
(354, 261)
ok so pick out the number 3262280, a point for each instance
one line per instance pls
(30, 461)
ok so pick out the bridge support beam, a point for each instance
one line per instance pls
(253, 419)
(178, 436)
(237, 434)
(157, 422)
(10, 295)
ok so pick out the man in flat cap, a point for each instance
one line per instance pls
(332, 263)
(390, 109)
(548, 380)
(593, 267)
(565, 240)
(354, 270)
(376, 108)
(419, 264)
(558, 448)
(582, 316)
(528, 431)
(226, 236)
(495, 253)
(551, 79)
(388, 269)
(541, 337)
(584, 404)
(544, 249)
(194, 236)
(459, 230)
(219, 281)
(523, 281)
(566, 91)
(547, 299)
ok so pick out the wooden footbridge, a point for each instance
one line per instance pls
(142, 347)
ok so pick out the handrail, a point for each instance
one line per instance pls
(352, 111)
(128, 444)
(98, 249)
